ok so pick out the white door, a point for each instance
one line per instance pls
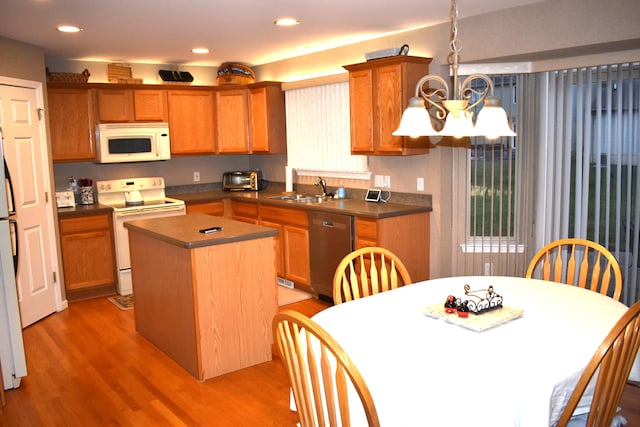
(25, 151)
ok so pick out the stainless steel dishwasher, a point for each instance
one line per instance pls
(330, 239)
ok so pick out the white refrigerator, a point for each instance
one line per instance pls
(12, 357)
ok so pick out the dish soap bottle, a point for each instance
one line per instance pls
(340, 192)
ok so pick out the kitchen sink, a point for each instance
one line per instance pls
(302, 198)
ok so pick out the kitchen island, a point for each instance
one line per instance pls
(205, 299)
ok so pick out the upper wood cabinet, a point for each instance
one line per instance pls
(202, 119)
(251, 119)
(379, 91)
(232, 119)
(267, 121)
(192, 121)
(132, 105)
(150, 105)
(71, 124)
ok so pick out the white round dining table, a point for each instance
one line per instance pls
(426, 371)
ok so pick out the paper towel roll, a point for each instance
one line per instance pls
(288, 179)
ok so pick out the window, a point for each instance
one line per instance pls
(318, 132)
(493, 190)
(590, 134)
(493, 180)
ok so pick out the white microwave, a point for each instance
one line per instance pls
(132, 142)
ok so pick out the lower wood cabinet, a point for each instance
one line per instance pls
(244, 211)
(407, 236)
(215, 208)
(88, 255)
(292, 242)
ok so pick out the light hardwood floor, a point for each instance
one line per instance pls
(88, 367)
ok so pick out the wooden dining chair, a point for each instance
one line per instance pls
(612, 363)
(368, 271)
(578, 262)
(319, 371)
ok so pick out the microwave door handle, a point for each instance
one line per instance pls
(156, 145)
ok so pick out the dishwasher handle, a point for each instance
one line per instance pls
(328, 224)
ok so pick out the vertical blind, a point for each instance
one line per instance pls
(318, 129)
(498, 192)
(588, 173)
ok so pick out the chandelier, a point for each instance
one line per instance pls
(457, 111)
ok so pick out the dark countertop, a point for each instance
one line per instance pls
(183, 230)
(349, 206)
(82, 210)
(356, 207)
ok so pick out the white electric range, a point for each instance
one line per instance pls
(131, 199)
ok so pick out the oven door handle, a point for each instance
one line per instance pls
(150, 210)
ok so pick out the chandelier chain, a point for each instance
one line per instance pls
(454, 47)
(454, 44)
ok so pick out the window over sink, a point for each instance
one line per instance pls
(318, 132)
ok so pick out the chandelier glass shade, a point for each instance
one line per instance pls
(456, 112)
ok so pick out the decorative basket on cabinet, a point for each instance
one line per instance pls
(233, 73)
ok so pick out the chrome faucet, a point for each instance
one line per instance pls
(321, 182)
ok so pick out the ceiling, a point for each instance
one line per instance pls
(163, 32)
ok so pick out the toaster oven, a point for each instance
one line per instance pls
(242, 181)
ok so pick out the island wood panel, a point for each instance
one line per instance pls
(209, 308)
(236, 308)
(164, 298)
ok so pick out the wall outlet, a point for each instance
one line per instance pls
(378, 181)
(387, 181)
(420, 183)
(196, 176)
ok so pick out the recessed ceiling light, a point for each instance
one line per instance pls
(286, 22)
(200, 50)
(68, 28)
